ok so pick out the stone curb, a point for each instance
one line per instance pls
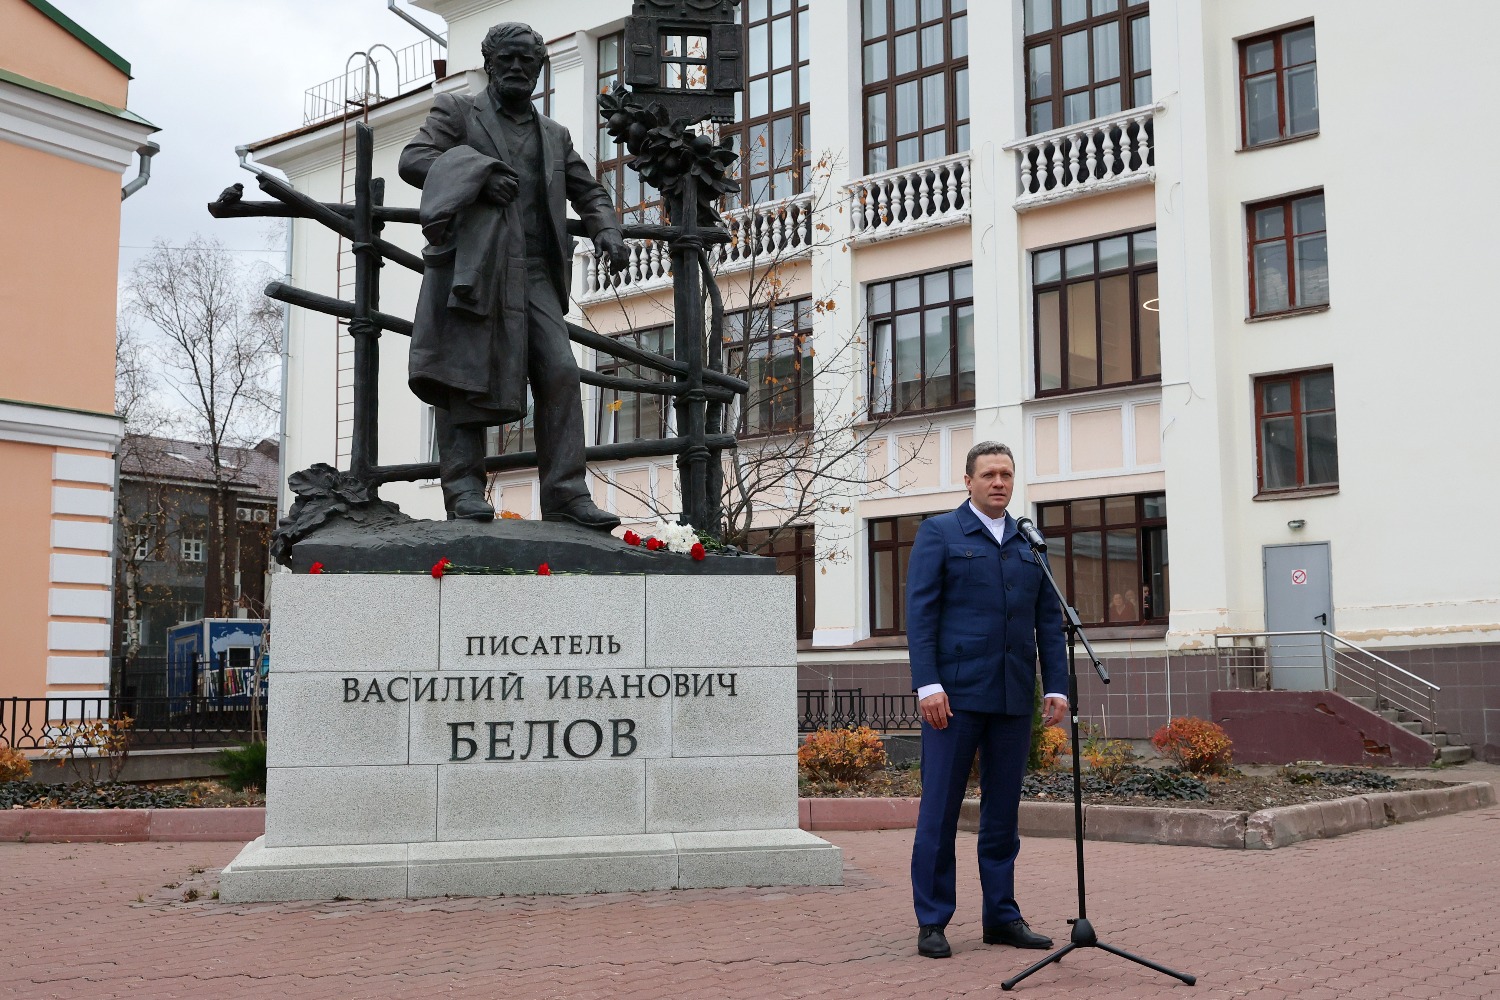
(1272, 828)
(858, 814)
(118, 826)
(1263, 830)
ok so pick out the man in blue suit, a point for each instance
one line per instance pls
(979, 613)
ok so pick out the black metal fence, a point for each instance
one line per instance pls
(160, 723)
(841, 708)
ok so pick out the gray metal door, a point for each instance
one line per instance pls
(1299, 598)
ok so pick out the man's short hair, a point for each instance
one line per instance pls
(504, 33)
(987, 448)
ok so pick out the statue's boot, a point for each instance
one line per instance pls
(471, 507)
(582, 511)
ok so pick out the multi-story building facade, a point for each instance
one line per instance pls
(66, 140)
(1170, 251)
(173, 563)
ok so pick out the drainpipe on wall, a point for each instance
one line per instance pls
(145, 152)
(390, 5)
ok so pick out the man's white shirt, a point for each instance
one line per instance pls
(996, 526)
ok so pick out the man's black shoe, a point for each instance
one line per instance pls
(582, 511)
(471, 507)
(1016, 934)
(931, 943)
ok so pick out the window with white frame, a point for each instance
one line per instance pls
(193, 548)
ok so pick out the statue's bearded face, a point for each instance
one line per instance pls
(515, 68)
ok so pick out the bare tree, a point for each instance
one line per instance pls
(797, 456)
(217, 354)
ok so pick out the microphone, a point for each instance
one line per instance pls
(1033, 537)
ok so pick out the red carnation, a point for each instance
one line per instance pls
(653, 543)
(544, 570)
(441, 566)
(631, 538)
(316, 567)
(697, 551)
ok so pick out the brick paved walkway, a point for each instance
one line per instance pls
(1409, 911)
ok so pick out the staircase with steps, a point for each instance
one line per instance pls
(1394, 697)
(1444, 750)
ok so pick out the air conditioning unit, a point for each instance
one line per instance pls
(259, 515)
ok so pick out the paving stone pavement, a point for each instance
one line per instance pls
(1408, 911)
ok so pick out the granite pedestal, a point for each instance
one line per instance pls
(518, 735)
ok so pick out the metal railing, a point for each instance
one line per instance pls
(361, 83)
(842, 708)
(1088, 158)
(183, 721)
(1247, 661)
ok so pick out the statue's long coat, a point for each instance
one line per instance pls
(469, 334)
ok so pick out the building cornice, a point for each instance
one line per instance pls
(565, 53)
(44, 118)
(32, 423)
(453, 10)
(310, 148)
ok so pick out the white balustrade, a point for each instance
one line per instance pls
(1092, 157)
(760, 235)
(910, 199)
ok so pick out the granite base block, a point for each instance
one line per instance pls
(329, 806)
(544, 866)
(262, 874)
(757, 858)
(533, 867)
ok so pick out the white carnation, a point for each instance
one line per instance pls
(679, 537)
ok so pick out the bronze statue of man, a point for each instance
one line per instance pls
(496, 178)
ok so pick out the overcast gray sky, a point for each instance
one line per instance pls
(214, 74)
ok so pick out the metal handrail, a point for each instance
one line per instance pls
(1386, 682)
(1384, 662)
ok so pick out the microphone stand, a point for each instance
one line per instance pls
(1083, 935)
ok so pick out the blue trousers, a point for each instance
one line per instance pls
(1002, 742)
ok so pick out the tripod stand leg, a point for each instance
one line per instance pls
(1056, 956)
(1138, 960)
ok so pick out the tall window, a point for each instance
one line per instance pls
(891, 540)
(1096, 320)
(916, 73)
(768, 347)
(636, 203)
(771, 122)
(1296, 431)
(1279, 85)
(516, 436)
(541, 97)
(922, 342)
(635, 416)
(1288, 254)
(796, 555)
(1110, 556)
(192, 548)
(1085, 59)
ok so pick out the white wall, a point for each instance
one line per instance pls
(1410, 244)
